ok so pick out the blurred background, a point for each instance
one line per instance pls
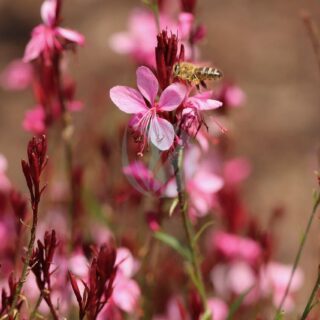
(262, 45)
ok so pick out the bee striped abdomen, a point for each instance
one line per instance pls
(207, 73)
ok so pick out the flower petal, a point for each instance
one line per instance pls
(204, 104)
(128, 100)
(36, 44)
(172, 97)
(161, 133)
(147, 83)
(48, 12)
(208, 182)
(71, 35)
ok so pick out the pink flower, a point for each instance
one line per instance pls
(274, 279)
(47, 37)
(5, 184)
(16, 76)
(126, 291)
(236, 247)
(127, 265)
(191, 117)
(236, 170)
(150, 125)
(235, 278)
(141, 177)
(138, 43)
(234, 96)
(218, 308)
(202, 183)
(34, 120)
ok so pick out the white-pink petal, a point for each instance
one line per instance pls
(204, 104)
(147, 83)
(71, 35)
(128, 100)
(126, 294)
(218, 308)
(161, 133)
(48, 12)
(172, 97)
(208, 182)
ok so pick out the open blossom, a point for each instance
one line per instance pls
(191, 114)
(149, 121)
(48, 36)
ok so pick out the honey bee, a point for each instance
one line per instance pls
(194, 74)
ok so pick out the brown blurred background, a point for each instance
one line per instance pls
(262, 45)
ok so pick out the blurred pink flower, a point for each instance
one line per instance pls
(201, 182)
(274, 279)
(236, 170)
(235, 278)
(151, 126)
(141, 177)
(186, 21)
(235, 247)
(138, 43)
(16, 76)
(47, 37)
(234, 96)
(231, 95)
(175, 310)
(34, 120)
(126, 291)
(218, 308)
(5, 184)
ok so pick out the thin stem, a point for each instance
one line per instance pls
(36, 307)
(67, 132)
(309, 305)
(300, 249)
(26, 268)
(188, 228)
(313, 33)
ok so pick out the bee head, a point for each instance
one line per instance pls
(176, 69)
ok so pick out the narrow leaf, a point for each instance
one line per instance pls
(173, 206)
(173, 243)
(202, 230)
(237, 303)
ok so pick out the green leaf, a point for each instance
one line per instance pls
(237, 303)
(202, 230)
(173, 206)
(173, 243)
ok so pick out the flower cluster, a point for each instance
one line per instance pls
(40, 66)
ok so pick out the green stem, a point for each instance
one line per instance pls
(26, 268)
(36, 307)
(309, 305)
(188, 228)
(300, 249)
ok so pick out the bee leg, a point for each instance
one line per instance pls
(203, 84)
